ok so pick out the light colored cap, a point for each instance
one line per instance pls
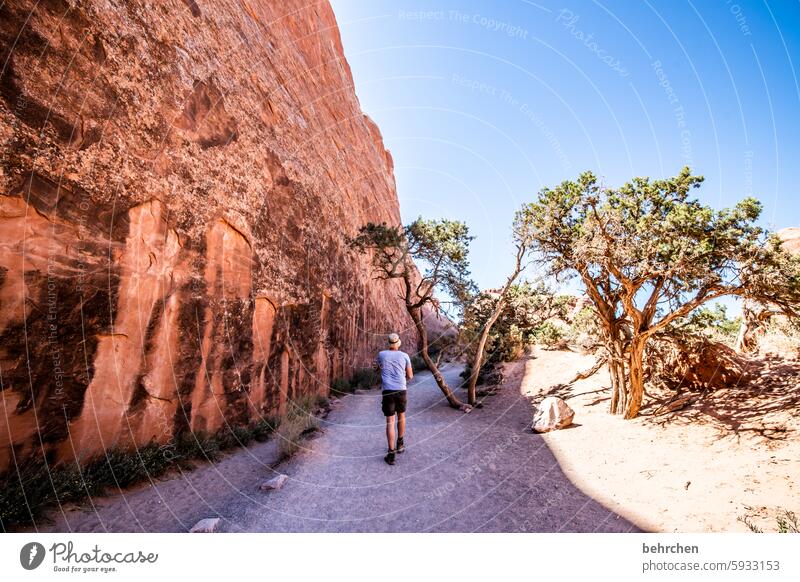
(393, 338)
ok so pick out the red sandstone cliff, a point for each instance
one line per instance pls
(176, 181)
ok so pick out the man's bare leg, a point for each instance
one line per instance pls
(390, 431)
(401, 430)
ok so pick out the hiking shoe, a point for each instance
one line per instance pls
(401, 446)
(389, 458)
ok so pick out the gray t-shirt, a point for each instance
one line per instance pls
(393, 369)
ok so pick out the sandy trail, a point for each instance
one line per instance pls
(694, 471)
(484, 471)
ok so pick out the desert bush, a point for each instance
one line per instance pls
(263, 429)
(696, 352)
(711, 322)
(584, 331)
(693, 362)
(780, 335)
(299, 421)
(196, 445)
(341, 386)
(527, 308)
(362, 379)
(365, 378)
(788, 522)
(548, 334)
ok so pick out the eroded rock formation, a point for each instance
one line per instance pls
(791, 239)
(177, 180)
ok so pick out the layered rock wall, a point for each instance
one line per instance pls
(177, 179)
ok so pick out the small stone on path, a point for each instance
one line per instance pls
(207, 525)
(274, 483)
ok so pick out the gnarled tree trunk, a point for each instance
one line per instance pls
(745, 341)
(636, 369)
(616, 369)
(416, 315)
(616, 347)
(477, 363)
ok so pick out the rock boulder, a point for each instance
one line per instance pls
(552, 414)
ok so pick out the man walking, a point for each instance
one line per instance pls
(395, 367)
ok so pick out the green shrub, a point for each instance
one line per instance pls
(342, 386)
(235, 436)
(121, 468)
(548, 334)
(712, 322)
(197, 445)
(365, 378)
(24, 493)
(527, 308)
(298, 422)
(264, 428)
(585, 331)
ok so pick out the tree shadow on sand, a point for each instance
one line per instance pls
(762, 404)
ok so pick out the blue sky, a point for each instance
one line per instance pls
(484, 103)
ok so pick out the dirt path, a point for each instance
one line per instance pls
(485, 471)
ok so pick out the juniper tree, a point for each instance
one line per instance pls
(648, 254)
(440, 248)
(498, 325)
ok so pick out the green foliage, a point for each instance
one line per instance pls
(263, 428)
(440, 249)
(342, 386)
(787, 522)
(365, 378)
(548, 334)
(585, 330)
(712, 322)
(649, 255)
(527, 308)
(655, 254)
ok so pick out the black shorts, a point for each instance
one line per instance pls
(393, 401)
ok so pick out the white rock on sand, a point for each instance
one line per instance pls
(274, 483)
(208, 525)
(552, 414)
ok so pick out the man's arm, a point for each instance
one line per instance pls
(409, 369)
